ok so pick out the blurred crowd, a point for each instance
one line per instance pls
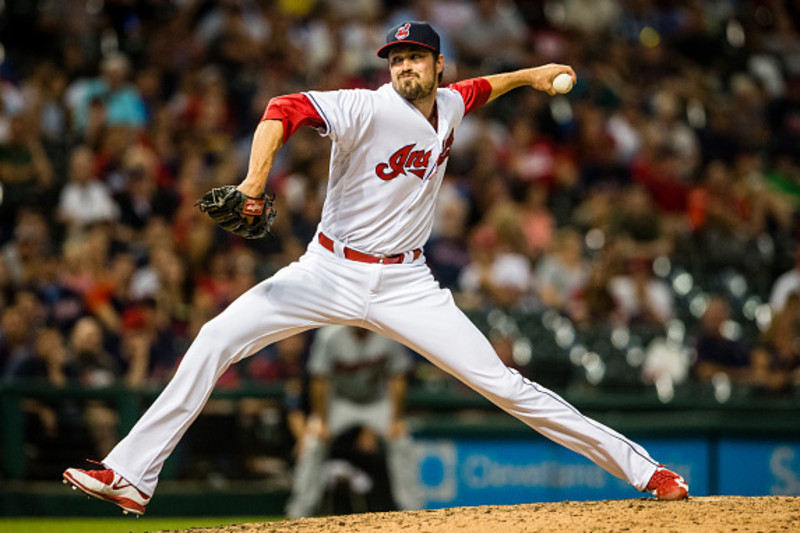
(678, 146)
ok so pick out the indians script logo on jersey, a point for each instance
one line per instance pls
(406, 159)
(403, 32)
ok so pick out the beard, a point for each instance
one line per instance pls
(413, 88)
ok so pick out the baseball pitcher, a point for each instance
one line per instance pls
(365, 267)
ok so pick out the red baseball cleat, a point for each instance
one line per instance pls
(109, 486)
(667, 485)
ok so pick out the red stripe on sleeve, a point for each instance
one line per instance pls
(475, 92)
(294, 111)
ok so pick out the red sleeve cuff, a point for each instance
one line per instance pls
(294, 111)
(475, 92)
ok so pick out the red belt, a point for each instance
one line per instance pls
(355, 255)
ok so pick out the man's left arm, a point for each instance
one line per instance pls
(540, 78)
(478, 91)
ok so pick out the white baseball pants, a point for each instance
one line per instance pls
(401, 301)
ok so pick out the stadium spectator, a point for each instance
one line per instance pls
(46, 363)
(147, 345)
(140, 195)
(25, 171)
(63, 306)
(591, 304)
(447, 251)
(776, 359)
(530, 154)
(563, 271)
(496, 275)
(536, 221)
(639, 227)
(111, 98)
(595, 149)
(721, 213)
(109, 294)
(95, 365)
(16, 340)
(785, 285)
(96, 368)
(45, 105)
(84, 200)
(30, 242)
(783, 112)
(716, 349)
(642, 298)
(494, 36)
(7, 285)
(53, 427)
(659, 171)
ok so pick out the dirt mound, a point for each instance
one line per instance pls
(710, 514)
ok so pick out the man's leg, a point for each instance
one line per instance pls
(413, 310)
(299, 297)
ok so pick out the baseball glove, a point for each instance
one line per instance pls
(238, 213)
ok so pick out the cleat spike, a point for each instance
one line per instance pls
(124, 512)
(74, 487)
(64, 481)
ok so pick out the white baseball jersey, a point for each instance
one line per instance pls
(381, 193)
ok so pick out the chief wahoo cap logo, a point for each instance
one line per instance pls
(403, 32)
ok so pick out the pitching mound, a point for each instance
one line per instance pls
(729, 513)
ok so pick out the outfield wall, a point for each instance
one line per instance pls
(459, 472)
(470, 453)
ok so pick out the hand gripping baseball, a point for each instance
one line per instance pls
(238, 213)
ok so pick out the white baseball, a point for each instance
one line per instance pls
(562, 83)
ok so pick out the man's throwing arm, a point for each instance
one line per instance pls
(540, 78)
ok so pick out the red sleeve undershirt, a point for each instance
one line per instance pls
(475, 92)
(294, 111)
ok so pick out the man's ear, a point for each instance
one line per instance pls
(439, 64)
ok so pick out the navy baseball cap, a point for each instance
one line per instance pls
(420, 33)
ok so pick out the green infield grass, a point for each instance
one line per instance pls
(119, 525)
